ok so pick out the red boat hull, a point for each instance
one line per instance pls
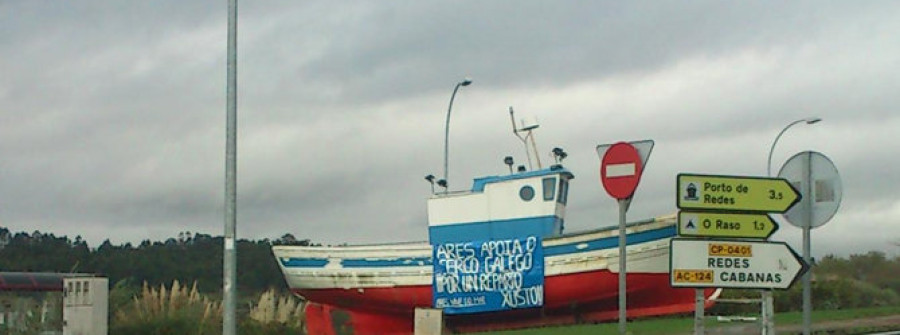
(568, 299)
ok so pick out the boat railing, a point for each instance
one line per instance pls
(451, 194)
(613, 227)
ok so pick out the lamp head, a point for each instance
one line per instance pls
(559, 154)
(466, 82)
(812, 120)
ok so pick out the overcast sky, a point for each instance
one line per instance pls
(112, 113)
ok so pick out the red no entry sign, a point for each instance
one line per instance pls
(620, 170)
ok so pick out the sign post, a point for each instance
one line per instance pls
(820, 184)
(621, 165)
(719, 208)
(623, 302)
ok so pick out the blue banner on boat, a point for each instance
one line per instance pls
(484, 276)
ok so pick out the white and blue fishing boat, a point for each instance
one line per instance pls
(497, 258)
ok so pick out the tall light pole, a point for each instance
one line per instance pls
(229, 256)
(768, 310)
(465, 82)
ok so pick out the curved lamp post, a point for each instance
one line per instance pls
(810, 120)
(465, 82)
(768, 327)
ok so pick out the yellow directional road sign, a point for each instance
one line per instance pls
(735, 193)
(715, 224)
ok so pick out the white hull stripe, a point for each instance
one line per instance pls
(557, 250)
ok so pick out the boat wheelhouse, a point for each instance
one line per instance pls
(500, 207)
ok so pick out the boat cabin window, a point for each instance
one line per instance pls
(526, 193)
(563, 191)
(549, 188)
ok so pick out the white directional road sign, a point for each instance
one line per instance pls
(733, 264)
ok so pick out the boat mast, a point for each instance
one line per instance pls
(530, 134)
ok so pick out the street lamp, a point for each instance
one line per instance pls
(465, 82)
(767, 303)
(810, 120)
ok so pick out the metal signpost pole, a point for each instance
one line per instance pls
(768, 312)
(764, 312)
(807, 225)
(818, 206)
(698, 312)
(621, 165)
(807, 292)
(623, 207)
(229, 271)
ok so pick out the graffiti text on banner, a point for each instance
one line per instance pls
(494, 275)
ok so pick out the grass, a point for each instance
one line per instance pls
(174, 310)
(152, 303)
(273, 308)
(667, 325)
(649, 327)
(843, 314)
(685, 324)
(184, 311)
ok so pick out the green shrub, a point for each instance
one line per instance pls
(839, 293)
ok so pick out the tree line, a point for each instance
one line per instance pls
(860, 280)
(187, 258)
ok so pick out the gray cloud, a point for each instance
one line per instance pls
(112, 114)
